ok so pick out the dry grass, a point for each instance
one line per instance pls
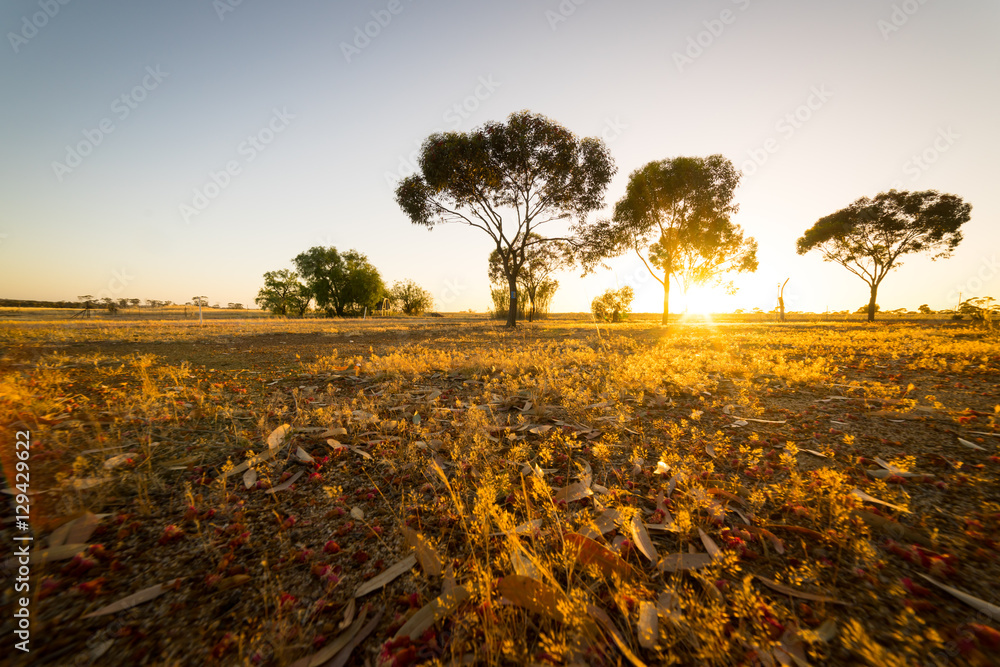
(736, 447)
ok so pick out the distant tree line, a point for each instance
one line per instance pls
(337, 284)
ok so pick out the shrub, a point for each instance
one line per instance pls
(613, 305)
(410, 297)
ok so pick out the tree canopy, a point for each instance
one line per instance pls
(410, 297)
(341, 283)
(869, 236)
(675, 216)
(507, 180)
(283, 293)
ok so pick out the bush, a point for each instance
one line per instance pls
(613, 305)
(410, 297)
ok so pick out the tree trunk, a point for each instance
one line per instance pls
(512, 309)
(871, 304)
(666, 301)
(781, 308)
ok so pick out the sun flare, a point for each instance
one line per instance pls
(700, 300)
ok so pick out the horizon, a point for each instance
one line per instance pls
(163, 152)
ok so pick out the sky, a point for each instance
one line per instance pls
(166, 150)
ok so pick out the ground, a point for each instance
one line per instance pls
(704, 493)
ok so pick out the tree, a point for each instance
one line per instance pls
(781, 299)
(613, 305)
(865, 308)
(868, 237)
(341, 283)
(676, 211)
(535, 278)
(982, 309)
(529, 169)
(281, 293)
(925, 309)
(411, 298)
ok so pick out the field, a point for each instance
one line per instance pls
(442, 490)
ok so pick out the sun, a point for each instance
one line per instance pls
(701, 300)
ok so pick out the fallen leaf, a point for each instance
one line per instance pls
(827, 630)
(394, 571)
(328, 652)
(616, 636)
(363, 453)
(971, 445)
(249, 478)
(787, 590)
(61, 552)
(349, 611)
(710, 546)
(432, 612)
(137, 598)
(277, 436)
(75, 531)
(589, 552)
(641, 538)
(893, 529)
(991, 610)
(575, 491)
(858, 493)
(345, 653)
(357, 513)
(287, 483)
(427, 555)
(522, 564)
(605, 522)
(303, 455)
(675, 562)
(541, 599)
(118, 460)
(525, 528)
(88, 482)
(648, 627)
(668, 606)
(779, 546)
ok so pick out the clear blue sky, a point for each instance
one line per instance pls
(159, 96)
